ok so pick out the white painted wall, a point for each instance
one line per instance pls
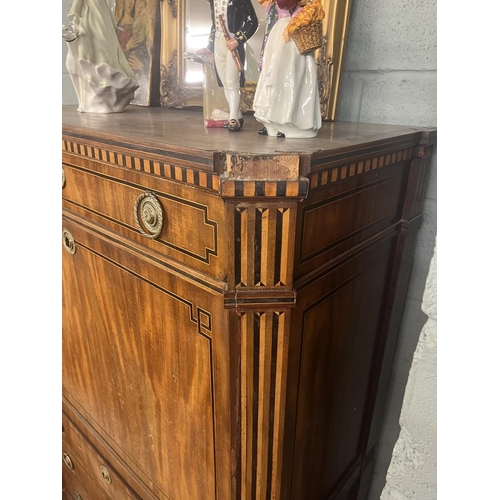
(389, 76)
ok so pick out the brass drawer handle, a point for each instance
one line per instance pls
(77, 496)
(105, 474)
(148, 215)
(63, 178)
(68, 241)
(68, 462)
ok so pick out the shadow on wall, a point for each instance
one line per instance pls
(413, 321)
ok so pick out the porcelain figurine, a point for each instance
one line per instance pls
(271, 18)
(215, 107)
(101, 75)
(233, 23)
(286, 98)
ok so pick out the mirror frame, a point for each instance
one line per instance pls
(174, 93)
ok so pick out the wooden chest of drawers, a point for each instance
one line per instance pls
(231, 304)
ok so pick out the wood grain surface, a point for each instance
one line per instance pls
(244, 353)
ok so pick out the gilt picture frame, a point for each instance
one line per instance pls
(178, 90)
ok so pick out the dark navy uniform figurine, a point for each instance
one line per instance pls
(227, 44)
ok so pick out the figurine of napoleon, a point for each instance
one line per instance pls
(241, 23)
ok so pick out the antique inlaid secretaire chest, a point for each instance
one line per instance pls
(231, 304)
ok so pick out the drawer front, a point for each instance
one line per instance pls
(80, 486)
(141, 352)
(342, 216)
(178, 222)
(95, 476)
(72, 489)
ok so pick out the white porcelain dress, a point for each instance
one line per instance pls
(287, 96)
(101, 75)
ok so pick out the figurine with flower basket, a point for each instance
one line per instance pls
(286, 98)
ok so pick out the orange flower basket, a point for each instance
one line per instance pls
(309, 37)
(306, 29)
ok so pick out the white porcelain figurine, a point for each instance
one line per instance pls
(101, 75)
(286, 98)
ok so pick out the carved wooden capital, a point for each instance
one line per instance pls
(264, 176)
(265, 167)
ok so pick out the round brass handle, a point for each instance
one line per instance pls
(105, 474)
(68, 241)
(68, 462)
(148, 214)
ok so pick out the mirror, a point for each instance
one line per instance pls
(185, 28)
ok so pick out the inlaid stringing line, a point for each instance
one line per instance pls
(140, 164)
(331, 175)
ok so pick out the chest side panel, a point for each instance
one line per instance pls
(347, 205)
(354, 229)
(337, 319)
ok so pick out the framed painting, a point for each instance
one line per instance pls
(139, 34)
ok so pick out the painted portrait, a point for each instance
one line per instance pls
(139, 36)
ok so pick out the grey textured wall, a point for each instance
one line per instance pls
(390, 76)
(412, 474)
